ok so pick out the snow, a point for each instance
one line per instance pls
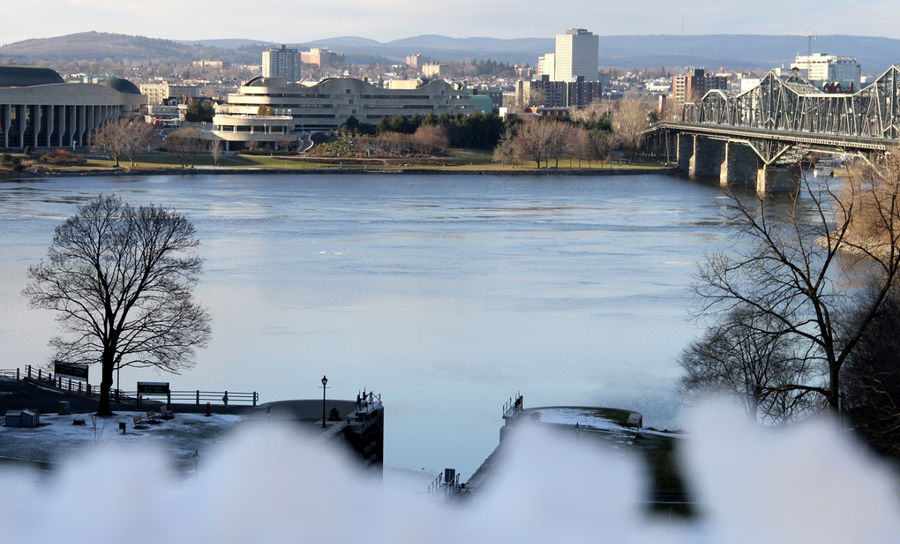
(585, 419)
(58, 436)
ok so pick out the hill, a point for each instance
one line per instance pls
(647, 51)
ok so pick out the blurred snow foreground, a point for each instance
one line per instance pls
(808, 483)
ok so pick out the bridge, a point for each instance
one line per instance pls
(761, 134)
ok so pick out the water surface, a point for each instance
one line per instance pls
(446, 294)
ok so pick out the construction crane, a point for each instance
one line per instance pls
(809, 38)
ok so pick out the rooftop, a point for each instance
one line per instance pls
(12, 75)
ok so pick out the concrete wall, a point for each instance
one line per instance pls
(707, 158)
(777, 179)
(739, 166)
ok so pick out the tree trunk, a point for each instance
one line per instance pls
(834, 388)
(106, 371)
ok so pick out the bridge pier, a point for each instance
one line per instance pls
(777, 179)
(707, 158)
(739, 166)
(684, 150)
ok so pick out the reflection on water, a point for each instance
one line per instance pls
(446, 294)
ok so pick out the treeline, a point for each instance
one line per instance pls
(479, 130)
(481, 68)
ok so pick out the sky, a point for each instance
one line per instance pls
(296, 22)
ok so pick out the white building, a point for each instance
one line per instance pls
(547, 66)
(577, 55)
(160, 93)
(819, 69)
(331, 102)
(281, 62)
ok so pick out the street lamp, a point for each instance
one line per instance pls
(324, 383)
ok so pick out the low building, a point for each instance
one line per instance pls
(569, 94)
(239, 131)
(321, 57)
(820, 69)
(163, 93)
(163, 115)
(215, 64)
(38, 109)
(403, 84)
(328, 104)
(435, 70)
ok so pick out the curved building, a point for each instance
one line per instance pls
(329, 103)
(38, 109)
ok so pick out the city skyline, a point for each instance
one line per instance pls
(388, 21)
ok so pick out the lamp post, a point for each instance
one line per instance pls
(324, 383)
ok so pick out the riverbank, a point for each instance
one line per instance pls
(335, 171)
(465, 162)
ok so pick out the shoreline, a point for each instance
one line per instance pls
(13, 176)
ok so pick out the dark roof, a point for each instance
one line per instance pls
(121, 85)
(26, 76)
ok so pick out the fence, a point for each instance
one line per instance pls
(200, 397)
(196, 396)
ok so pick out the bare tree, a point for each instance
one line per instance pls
(120, 280)
(580, 145)
(505, 150)
(557, 141)
(185, 143)
(111, 139)
(872, 381)
(432, 139)
(629, 120)
(792, 271)
(530, 140)
(137, 136)
(216, 149)
(740, 355)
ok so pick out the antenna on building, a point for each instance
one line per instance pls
(809, 38)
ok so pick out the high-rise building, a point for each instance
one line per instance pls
(416, 61)
(691, 87)
(281, 62)
(547, 66)
(820, 69)
(577, 54)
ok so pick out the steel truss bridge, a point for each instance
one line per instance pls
(784, 117)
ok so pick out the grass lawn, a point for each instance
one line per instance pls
(456, 160)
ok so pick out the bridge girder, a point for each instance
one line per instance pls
(790, 103)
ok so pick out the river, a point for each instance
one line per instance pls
(445, 294)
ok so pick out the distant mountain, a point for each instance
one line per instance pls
(94, 46)
(709, 51)
(227, 43)
(742, 51)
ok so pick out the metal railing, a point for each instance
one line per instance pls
(199, 397)
(75, 386)
(515, 404)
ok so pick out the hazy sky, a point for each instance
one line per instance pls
(300, 21)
